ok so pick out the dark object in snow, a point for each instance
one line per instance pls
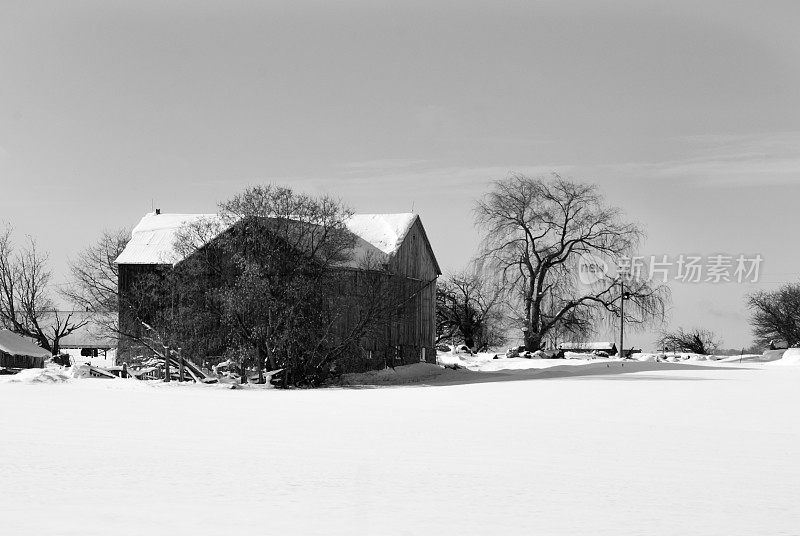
(496, 356)
(62, 359)
(778, 344)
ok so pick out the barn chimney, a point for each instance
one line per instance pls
(158, 211)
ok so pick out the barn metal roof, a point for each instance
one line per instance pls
(154, 239)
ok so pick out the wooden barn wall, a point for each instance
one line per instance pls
(414, 324)
(20, 361)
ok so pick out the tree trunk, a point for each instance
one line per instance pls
(260, 364)
(271, 359)
(166, 365)
(469, 341)
(533, 341)
(534, 334)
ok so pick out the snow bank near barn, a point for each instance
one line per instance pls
(39, 375)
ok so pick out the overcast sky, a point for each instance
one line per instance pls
(687, 114)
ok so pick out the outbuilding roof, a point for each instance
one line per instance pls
(154, 239)
(13, 344)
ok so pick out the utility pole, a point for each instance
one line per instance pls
(623, 296)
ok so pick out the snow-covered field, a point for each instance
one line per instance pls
(572, 448)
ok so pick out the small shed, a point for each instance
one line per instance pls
(589, 347)
(18, 352)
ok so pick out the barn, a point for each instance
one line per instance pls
(398, 241)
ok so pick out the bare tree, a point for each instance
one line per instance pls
(26, 305)
(94, 275)
(536, 230)
(776, 313)
(696, 341)
(468, 307)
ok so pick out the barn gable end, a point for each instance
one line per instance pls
(414, 263)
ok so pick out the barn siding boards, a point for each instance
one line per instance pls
(416, 266)
(20, 361)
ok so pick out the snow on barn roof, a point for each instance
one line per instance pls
(586, 345)
(154, 238)
(384, 231)
(14, 344)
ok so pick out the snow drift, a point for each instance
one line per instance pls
(791, 358)
(38, 375)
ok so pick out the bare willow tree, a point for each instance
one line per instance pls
(696, 341)
(469, 308)
(26, 304)
(776, 314)
(536, 231)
